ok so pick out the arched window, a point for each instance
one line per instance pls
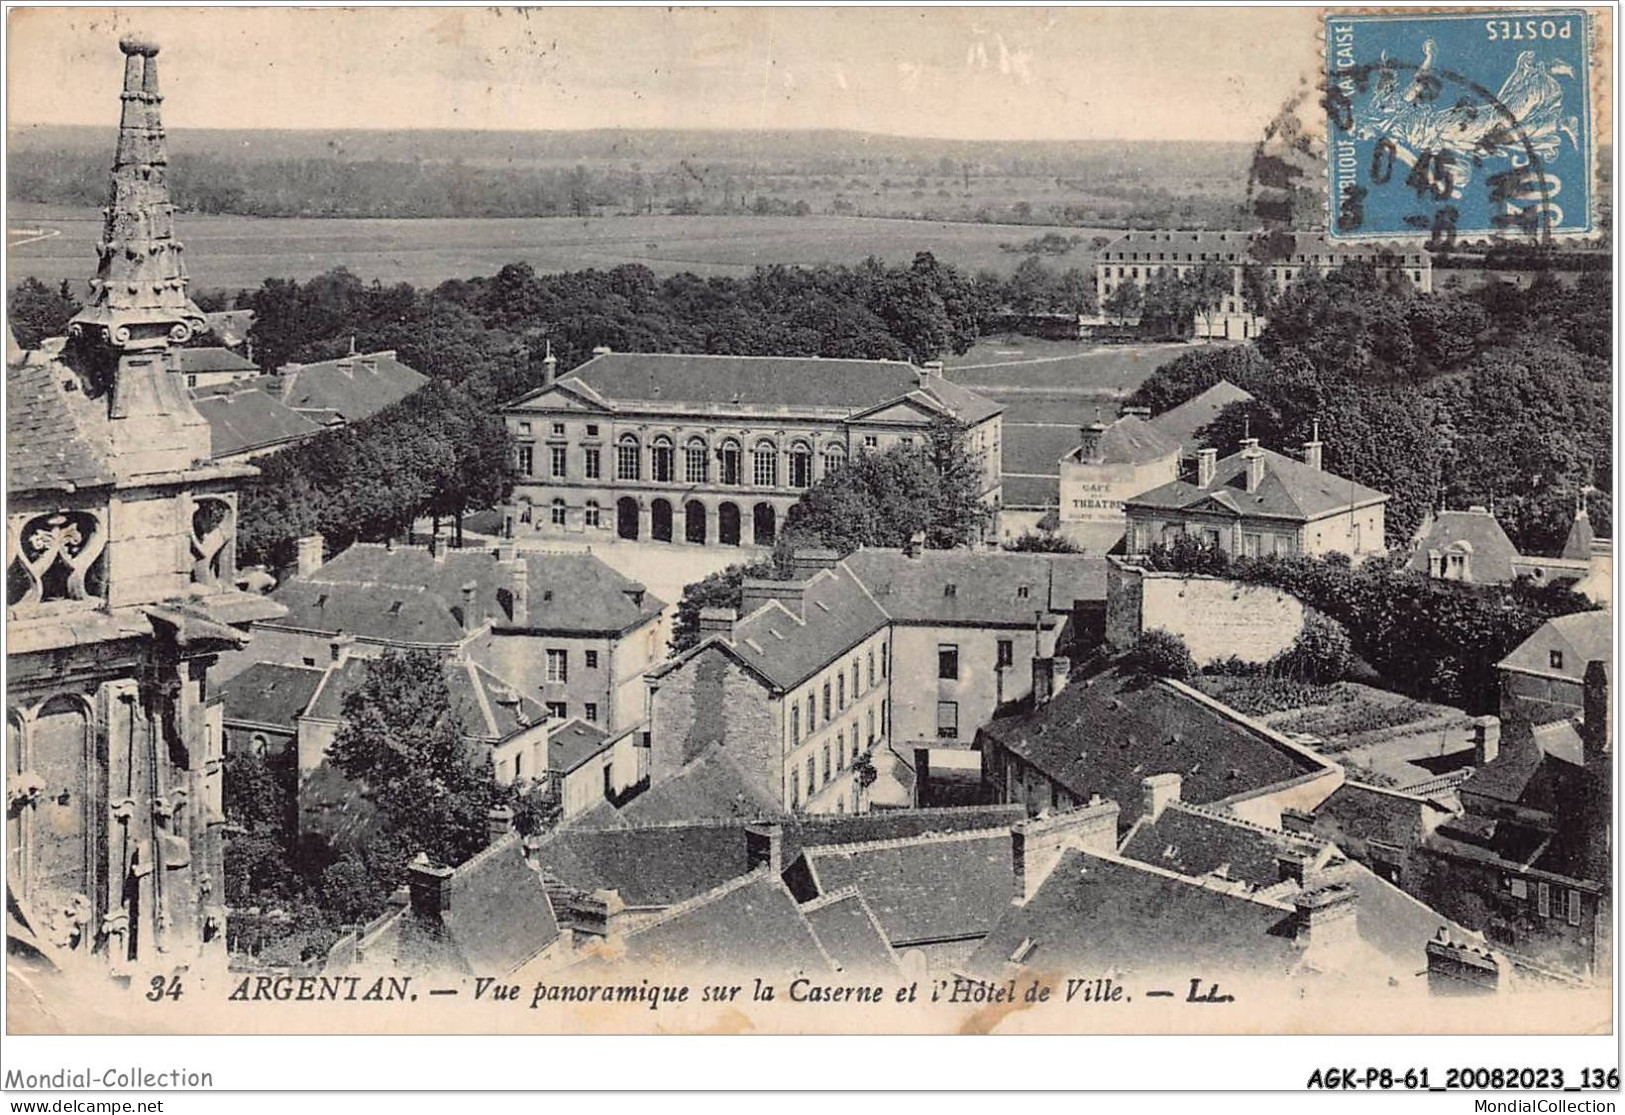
(593, 516)
(556, 513)
(696, 461)
(834, 458)
(728, 456)
(629, 458)
(800, 465)
(767, 464)
(661, 468)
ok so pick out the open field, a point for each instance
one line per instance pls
(227, 253)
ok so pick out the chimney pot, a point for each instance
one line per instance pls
(717, 621)
(519, 586)
(499, 822)
(915, 544)
(430, 885)
(309, 554)
(1327, 916)
(1486, 739)
(1207, 463)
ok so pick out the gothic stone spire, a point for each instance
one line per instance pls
(138, 297)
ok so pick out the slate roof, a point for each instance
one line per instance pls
(1290, 490)
(1583, 637)
(487, 708)
(850, 934)
(1477, 532)
(1239, 243)
(846, 387)
(244, 418)
(1189, 840)
(230, 327)
(269, 693)
(749, 924)
(1033, 450)
(711, 787)
(1581, 538)
(650, 865)
(45, 446)
(1104, 735)
(784, 648)
(833, 829)
(1031, 493)
(1128, 440)
(1356, 814)
(1182, 424)
(406, 596)
(214, 359)
(354, 387)
(573, 743)
(497, 919)
(985, 586)
(922, 890)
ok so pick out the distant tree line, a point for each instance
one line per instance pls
(1498, 395)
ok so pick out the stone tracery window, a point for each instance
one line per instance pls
(57, 556)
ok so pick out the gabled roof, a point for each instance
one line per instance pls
(407, 596)
(850, 934)
(922, 889)
(355, 387)
(1582, 637)
(711, 787)
(833, 829)
(784, 648)
(270, 694)
(1290, 490)
(1128, 440)
(497, 918)
(1582, 538)
(198, 360)
(1474, 531)
(242, 418)
(1356, 814)
(747, 924)
(1182, 424)
(46, 448)
(968, 587)
(573, 743)
(487, 709)
(805, 383)
(1108, 733)
(230, 327)
(1190, 840)
(650, 865)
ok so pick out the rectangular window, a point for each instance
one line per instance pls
(827, 712)
(948, 661)
(696, 466)
(795, 789)
(1574, 907)
(557, 453)
(629, 462)
(592, 659)
(1519, 888)
(870, 441)
(730, 464)
(592, 429)
(812, 773)
(590, 712)
(795, 724)
(882, 728)
(591, 468)
(869, 723)
(1557, 660)
(840, 747)
(524, 429)
(855, 679)
(558, 710)
(1007, 652)
(526, 460)
(767, 468)
(660, 464)
(558, 665)
(825, 782)
(812, 712)
(840, 692)
(883, 661)
(1543, 899)
(558, 429)
(947, 719)
(871, 669)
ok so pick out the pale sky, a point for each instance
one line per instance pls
(972, 73)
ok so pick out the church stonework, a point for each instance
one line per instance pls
(121, 592)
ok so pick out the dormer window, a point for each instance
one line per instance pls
(395, 608)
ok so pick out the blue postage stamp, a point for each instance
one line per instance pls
(1471, 124)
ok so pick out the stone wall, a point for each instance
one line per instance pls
(1217, 618)
(711, 698)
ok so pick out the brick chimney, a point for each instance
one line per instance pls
(1036, 846)
(550, 366)
(717, 621)
(471, 606)
(1293, 865)
(808, 560)
(1207, 463)
(764, 844)
(498, 823)
(1312, 447)
(1326, 918)
(1461, 968)
(1486, 739)
(519, 586)
(308, 551)
(915, 544)
(430, 885)
(1156, 791)
(1254, 458)
(755, 592)
(1089, 436)
(1050, 676)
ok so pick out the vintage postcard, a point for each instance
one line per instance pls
(772, 520)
